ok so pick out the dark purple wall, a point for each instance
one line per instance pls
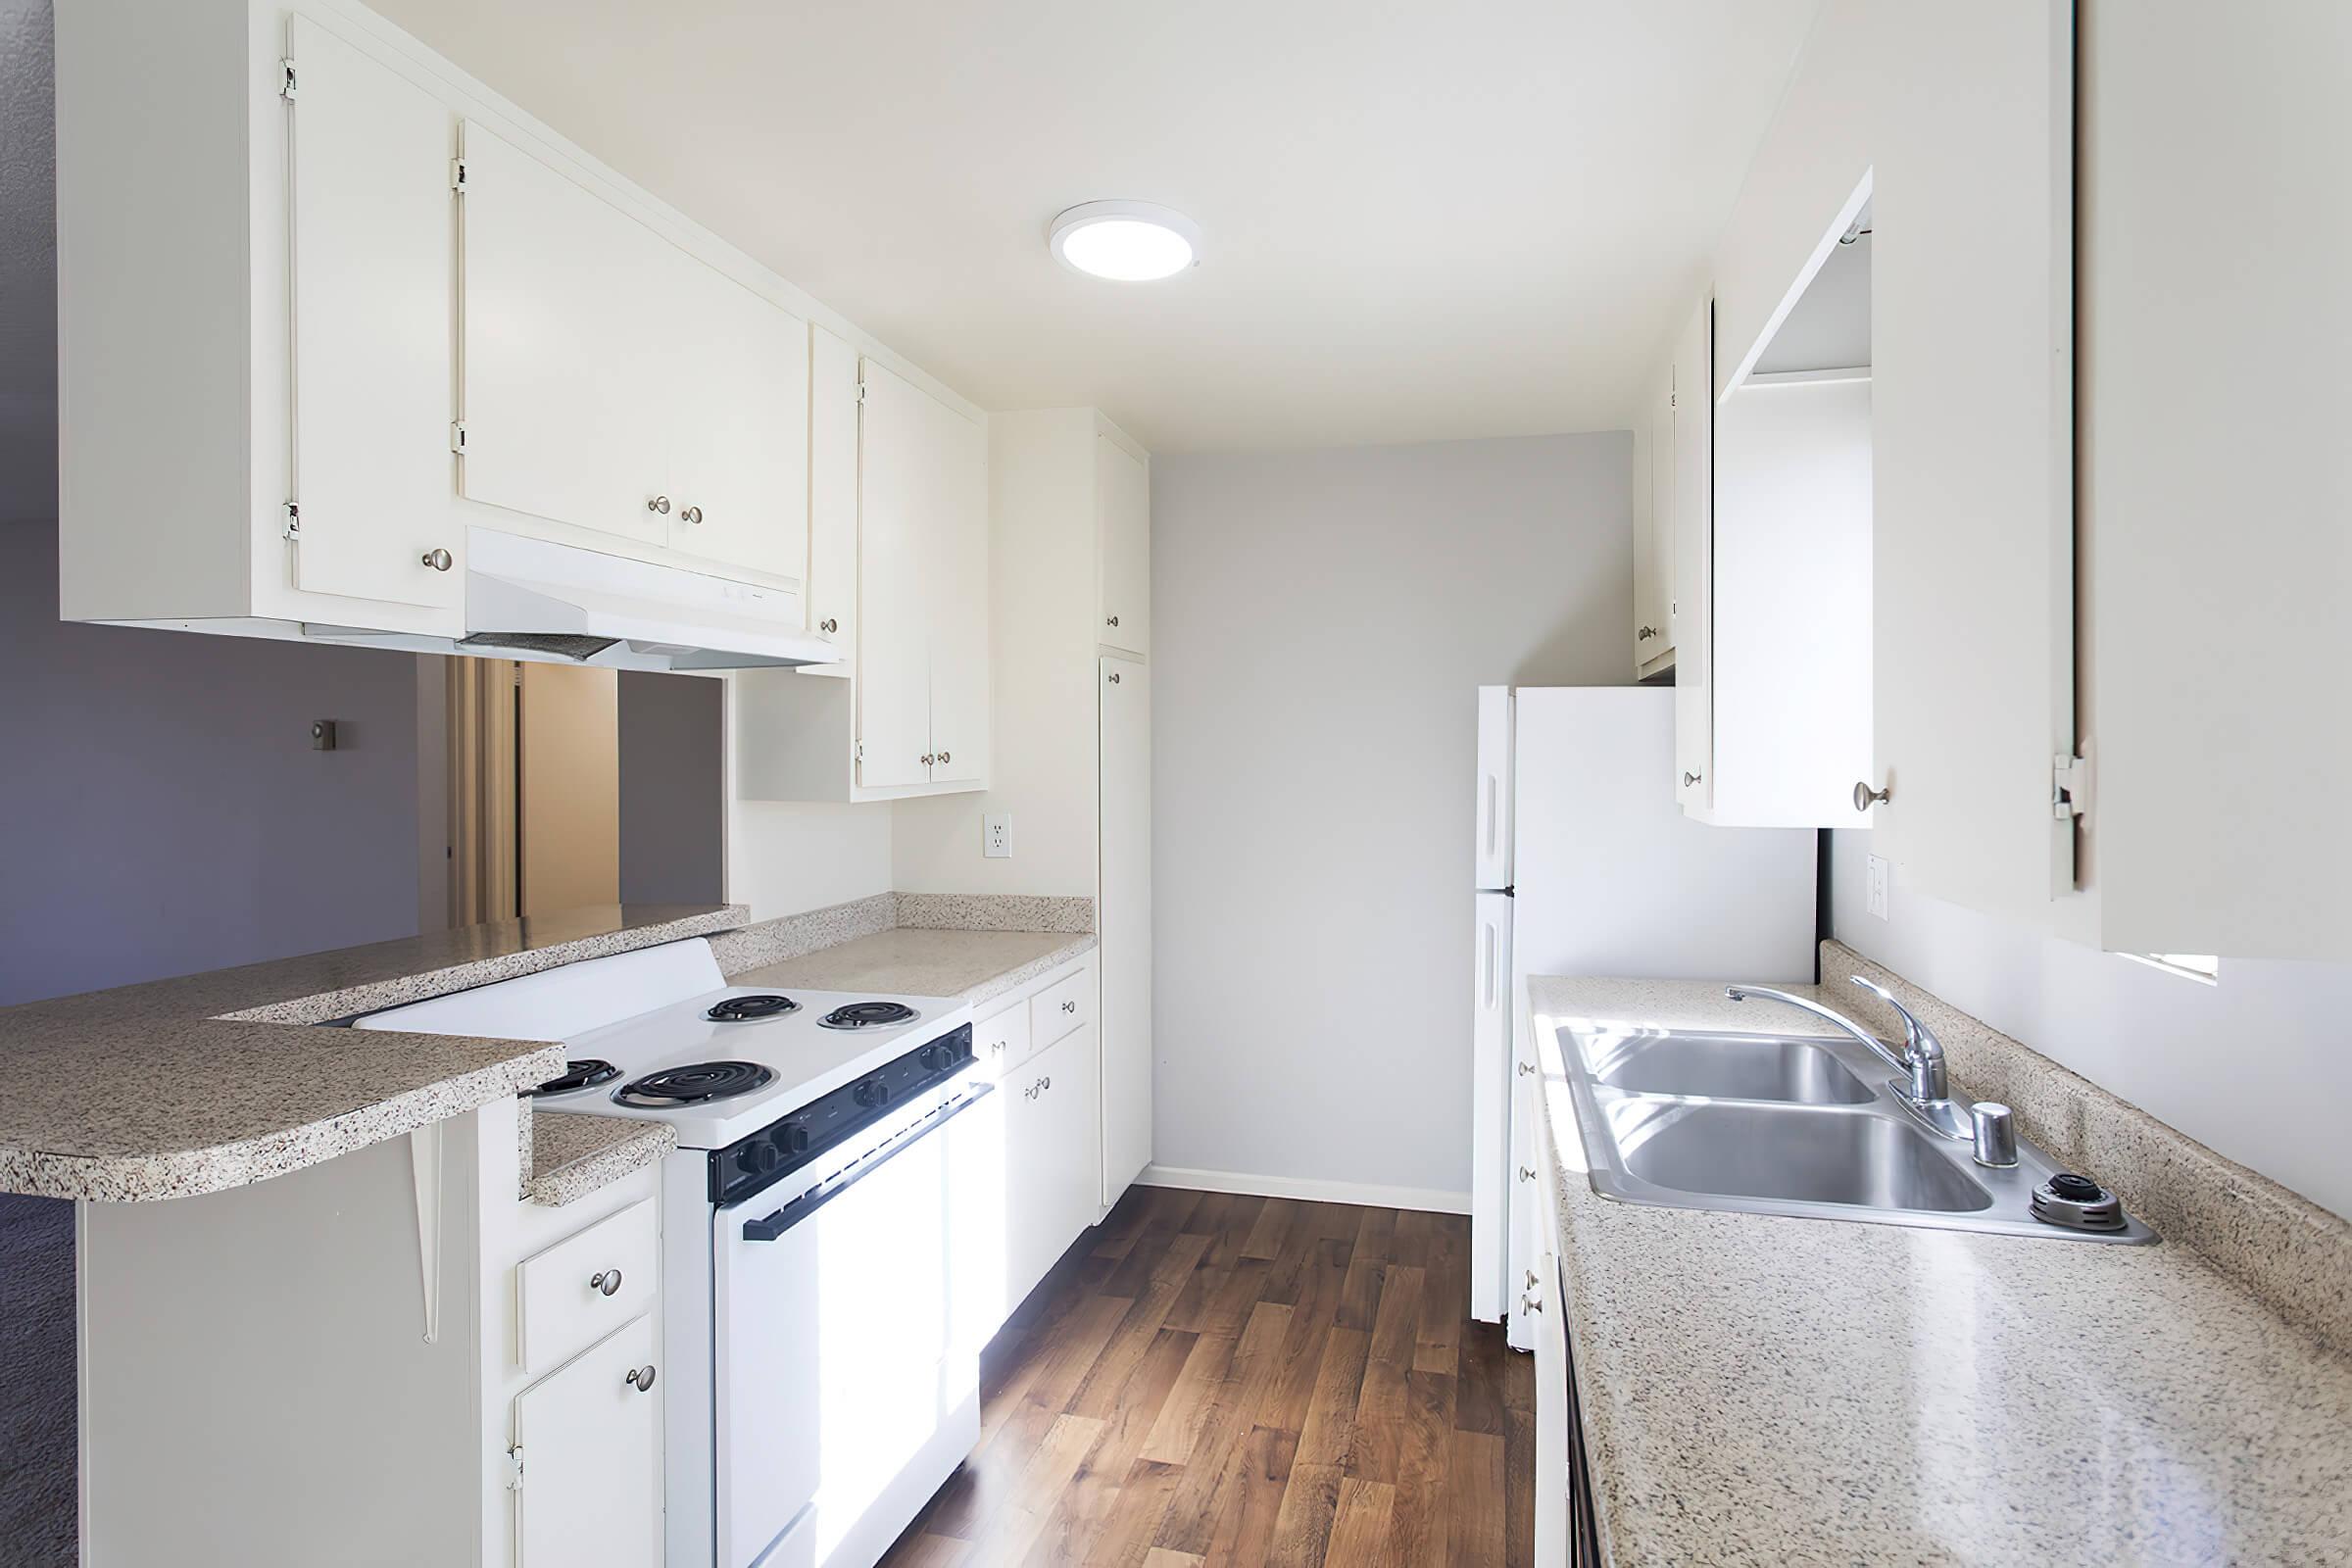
(161, 813)
(672, 789)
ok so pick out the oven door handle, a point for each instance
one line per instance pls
(770, 1226)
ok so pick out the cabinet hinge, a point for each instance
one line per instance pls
(2070, 787)
(457, 175)
(293, 529)
(862, 394)
(514, 1468)
(456, 436)
(286, 83)
(858, 751)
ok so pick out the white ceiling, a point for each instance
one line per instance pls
(1422, 220)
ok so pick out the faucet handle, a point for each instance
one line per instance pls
(1915, 1033)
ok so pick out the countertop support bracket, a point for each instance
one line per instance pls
(424, 1169)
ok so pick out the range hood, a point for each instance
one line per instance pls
(530, 599)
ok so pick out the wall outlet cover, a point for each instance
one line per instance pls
(995, 835)
(1875, 878)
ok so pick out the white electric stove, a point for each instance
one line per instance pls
(817, 1390)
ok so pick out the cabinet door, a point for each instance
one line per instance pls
(1123, 525)
(832, 587)
(1525, 1253)
(1971, 437)
(895, 486)
(373, 221)
(1694, 559)
(591, 1460)
(563, 403)
(1125, 964)
(737, 386)
(958, 594)
(1052, 1159)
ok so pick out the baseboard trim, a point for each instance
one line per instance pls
(1429, 1200)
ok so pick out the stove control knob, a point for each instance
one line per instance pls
(759, 1159)
(933, 1057)
(873, 1091)
(790, 1138)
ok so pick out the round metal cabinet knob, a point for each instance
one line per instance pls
(1690, 779)
(828, 625)
(1114, 677)
(1526, 1174)
(945, 757)
(658, 504)
(438, 559)
(1528, 1303)
(1527, 1069)
(606, 1283)
(1645, 634)
(641, 1378)
(691, 514)
(1865, 796)
(1110, 621)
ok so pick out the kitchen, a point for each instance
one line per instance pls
(746, 743)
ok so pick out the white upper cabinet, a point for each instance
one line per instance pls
(736, 379)
(1954, 123)
(900, 569)
(369, 211)
(394, 315)
(2216, 504)
(564, 406)
(832, 590)
(1123, 523)
(615, 382)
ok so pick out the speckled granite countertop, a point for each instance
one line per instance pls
(573, 1156)
(188, 1086)
(1763, 1389)
(909, 962)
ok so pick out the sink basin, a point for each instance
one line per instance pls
(1775, 1153)
(1724, 1067)
(1795, 1125)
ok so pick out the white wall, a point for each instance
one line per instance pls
(2257, 1067)
(1320, 620)
(787, 856)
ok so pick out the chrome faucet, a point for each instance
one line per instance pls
(1925, 1089)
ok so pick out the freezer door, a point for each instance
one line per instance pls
(1493, 788)
(1490, 1048)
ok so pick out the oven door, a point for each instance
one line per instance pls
(831, 1340)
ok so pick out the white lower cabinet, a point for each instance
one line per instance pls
(589, 1436)
(1052, 1159)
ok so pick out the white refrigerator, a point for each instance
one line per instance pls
(1586, 867)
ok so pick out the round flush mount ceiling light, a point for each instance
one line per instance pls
(1128, 242)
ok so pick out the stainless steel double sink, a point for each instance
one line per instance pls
(1777, 1124)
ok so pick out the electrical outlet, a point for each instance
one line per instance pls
(1875, 893)
(995, 835)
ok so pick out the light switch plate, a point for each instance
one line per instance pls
(995, 835)
(1875, 894)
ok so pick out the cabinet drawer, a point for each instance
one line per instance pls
(584, 1287)
(1003, 1041)
(1061, 1008)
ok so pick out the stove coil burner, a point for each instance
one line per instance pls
(868, 1016)
(743, 1009)
(694, 1085)
(579, 1075)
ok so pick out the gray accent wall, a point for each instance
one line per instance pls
(1320, 622)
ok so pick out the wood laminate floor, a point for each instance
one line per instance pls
(1210, 1379)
